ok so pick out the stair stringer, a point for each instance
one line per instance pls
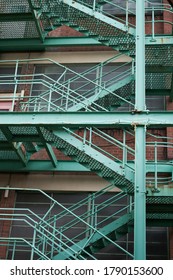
(100, 239)
(94, 24)
(90, 158)
(100, 16)
(103, 93)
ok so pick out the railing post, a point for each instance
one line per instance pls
(53, 239)
(155, 166)
(14, 248)
(127, 13)
(153, 25)
(84, 137)
(90, 136)
(124, 149)
(94, 5)
(49, 101)
(67, 96)
(33, 243)
(15, 86)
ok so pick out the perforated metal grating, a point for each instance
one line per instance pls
(8, 155)
(23, 130)
(160, 199)
(14, 6)
(158, 81)
(162, 55)
(21, 29)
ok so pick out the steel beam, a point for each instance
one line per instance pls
(41, 166)
(37, 21)
(48, 148)
(159, 40)
(140, 139)
(36, 44)
(10, 17)
(83, 119)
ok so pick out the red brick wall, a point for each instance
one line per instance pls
(5, 225)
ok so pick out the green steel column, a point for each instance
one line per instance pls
(140, 182)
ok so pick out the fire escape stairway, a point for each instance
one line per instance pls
(94, 158)
(93, 229)
(91, 19)
(97, 240)
(104, 87)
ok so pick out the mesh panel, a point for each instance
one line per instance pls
(21, 29)
(23, 130)
(8, 155)
(14, 6)
(160, 199)
(158, 81)
(162, 55)
(110, 100)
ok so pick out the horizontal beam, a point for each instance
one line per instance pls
(159, 40)
(26, 44)
(69, 166)
(37, 44)
(9, 17)
(158, 69)
(83, 119)
(41, 166)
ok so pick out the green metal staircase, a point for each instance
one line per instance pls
(110, 31)
(51, 235)
(95, 159)
(102, 87)
(105, 93)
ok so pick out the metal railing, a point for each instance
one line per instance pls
(102, 141)
(47, 238)
(70, 90)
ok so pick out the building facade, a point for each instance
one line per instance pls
(86, 129)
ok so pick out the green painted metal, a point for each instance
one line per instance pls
(86, 119)
(140, 136)
(91, 95)
(37, 21)
(43, 235)
(36, 44)
(99, 15)
(15, 17)
(39, 130)
(16, 147)
(48, 147)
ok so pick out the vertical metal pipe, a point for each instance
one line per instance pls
(140, 196)
(15, 86)
(140, 56)
(127, 13)
(124, 149)
(140, 139)
(153, 31)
